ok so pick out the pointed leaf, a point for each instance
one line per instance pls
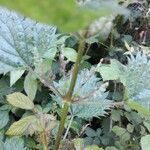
(30, 86)
(20, 100)
(70, 54)
(22, 126)
(15, 75)
(4, 118)
(20, 37)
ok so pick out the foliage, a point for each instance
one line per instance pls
(89, 95)
(13, 143)
(87, 90)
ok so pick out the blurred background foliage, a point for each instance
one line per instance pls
(62, 13)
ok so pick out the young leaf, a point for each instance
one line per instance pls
(19, 36)
(20, 100)
(145, 142)
(112, 71)
(15, 75)
(23, 126)
(30, 85)
(70, 54)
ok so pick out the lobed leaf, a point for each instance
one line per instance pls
(89, 95)
(135, 76)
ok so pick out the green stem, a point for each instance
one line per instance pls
(61, 126)
(68, 97)
(76, 70)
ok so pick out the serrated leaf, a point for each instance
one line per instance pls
(30, 86)
(19, 38)
(70, 54)
(4, 118)
(133, 76)
(89, 93)
(22, 126)
(20, 100)
(145, 142)
(15, 75)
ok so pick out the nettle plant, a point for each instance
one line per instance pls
(29, 49)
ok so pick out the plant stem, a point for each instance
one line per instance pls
(61, 126)
(76, 70)
(68, 97)
(44, 140)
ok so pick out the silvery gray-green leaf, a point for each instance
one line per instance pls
(137, 75)
(20, 37)
(136, 78)
(89, 95)
(14, 143)
(4, 118)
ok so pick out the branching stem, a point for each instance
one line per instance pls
(68, 97)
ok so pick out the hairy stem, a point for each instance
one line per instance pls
(68, 97)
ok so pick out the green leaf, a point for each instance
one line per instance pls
(111, 148)
(115, 115)
(122, 133)
(89, 93)
(4, 118)
(30, 86)
(20, 100)
(90, 132)
(15, 75)
(118, 131)
(145, 142)
(130, 128)
(23, 42)
(25, 125)
(136, 106)
(93, 147)
(112, 71)
(147, 124)
(133, 76)
(78, 143)
(14, 143)
(70, 54)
